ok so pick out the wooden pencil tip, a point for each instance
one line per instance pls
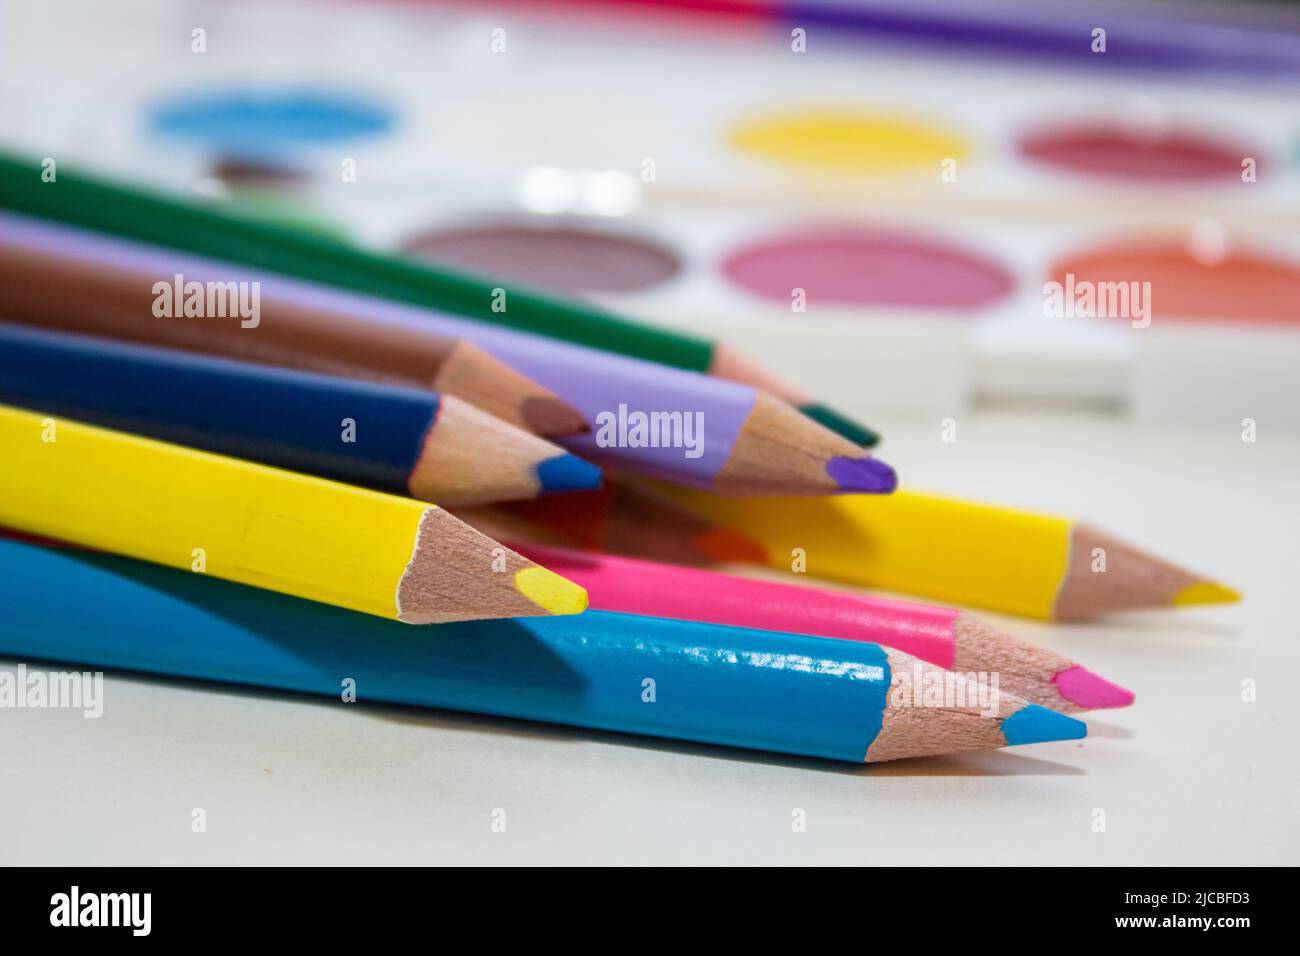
(549, 591)
(1031, 671)
(459, 574)
(1207, 592)
(782, 451)
(567, 473)
(930, 711)
(1088, 691)
(736, 367)
(1035, 724)
(841, 425)
(551, 417)
(867, 475)
(1128, 579)
(481, 379)
(471, 457)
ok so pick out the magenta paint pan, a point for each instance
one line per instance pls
(848, 266)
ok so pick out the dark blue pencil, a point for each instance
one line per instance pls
(430, 446)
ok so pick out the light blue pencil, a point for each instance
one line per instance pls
(811, 696)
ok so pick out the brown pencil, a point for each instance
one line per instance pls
(60, 290)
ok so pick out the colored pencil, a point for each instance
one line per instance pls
(1019, 562)
(359, 549)
(205, 231)
(411, 442)
(731, 365)
(1169, 38)
(816, 697)
(726, 437)
(954, 640)
(621, 517)
(81, 295)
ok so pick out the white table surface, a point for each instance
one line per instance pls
(1189, 775)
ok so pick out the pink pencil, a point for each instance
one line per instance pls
(943, 636)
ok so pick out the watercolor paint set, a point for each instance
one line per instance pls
(843, 126)
(742, 119)
(921, 315)
(841, 205)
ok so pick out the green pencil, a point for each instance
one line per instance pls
(202, 230)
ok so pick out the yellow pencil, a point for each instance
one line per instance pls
(377, 553)
(1019, 562)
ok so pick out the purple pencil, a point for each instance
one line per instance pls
(645, 418)
(1244, 39)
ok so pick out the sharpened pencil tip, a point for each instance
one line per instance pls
(1207, 592)
(552, 418)
(1090, 691)
(862, 474)
(567, 473)
(1033, 724)
(841, 425)
(551, 592)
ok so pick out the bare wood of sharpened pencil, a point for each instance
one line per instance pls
(781, 451)
(957, 726)
(451, 576)
(472, 458)
(729, 364)
(1132, 578)
(1024, 669)
(68, 293)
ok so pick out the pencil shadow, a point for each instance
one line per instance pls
(1001, 764)
(985, 763)
(534, 730)
(1152, 626)
(1097, 728)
